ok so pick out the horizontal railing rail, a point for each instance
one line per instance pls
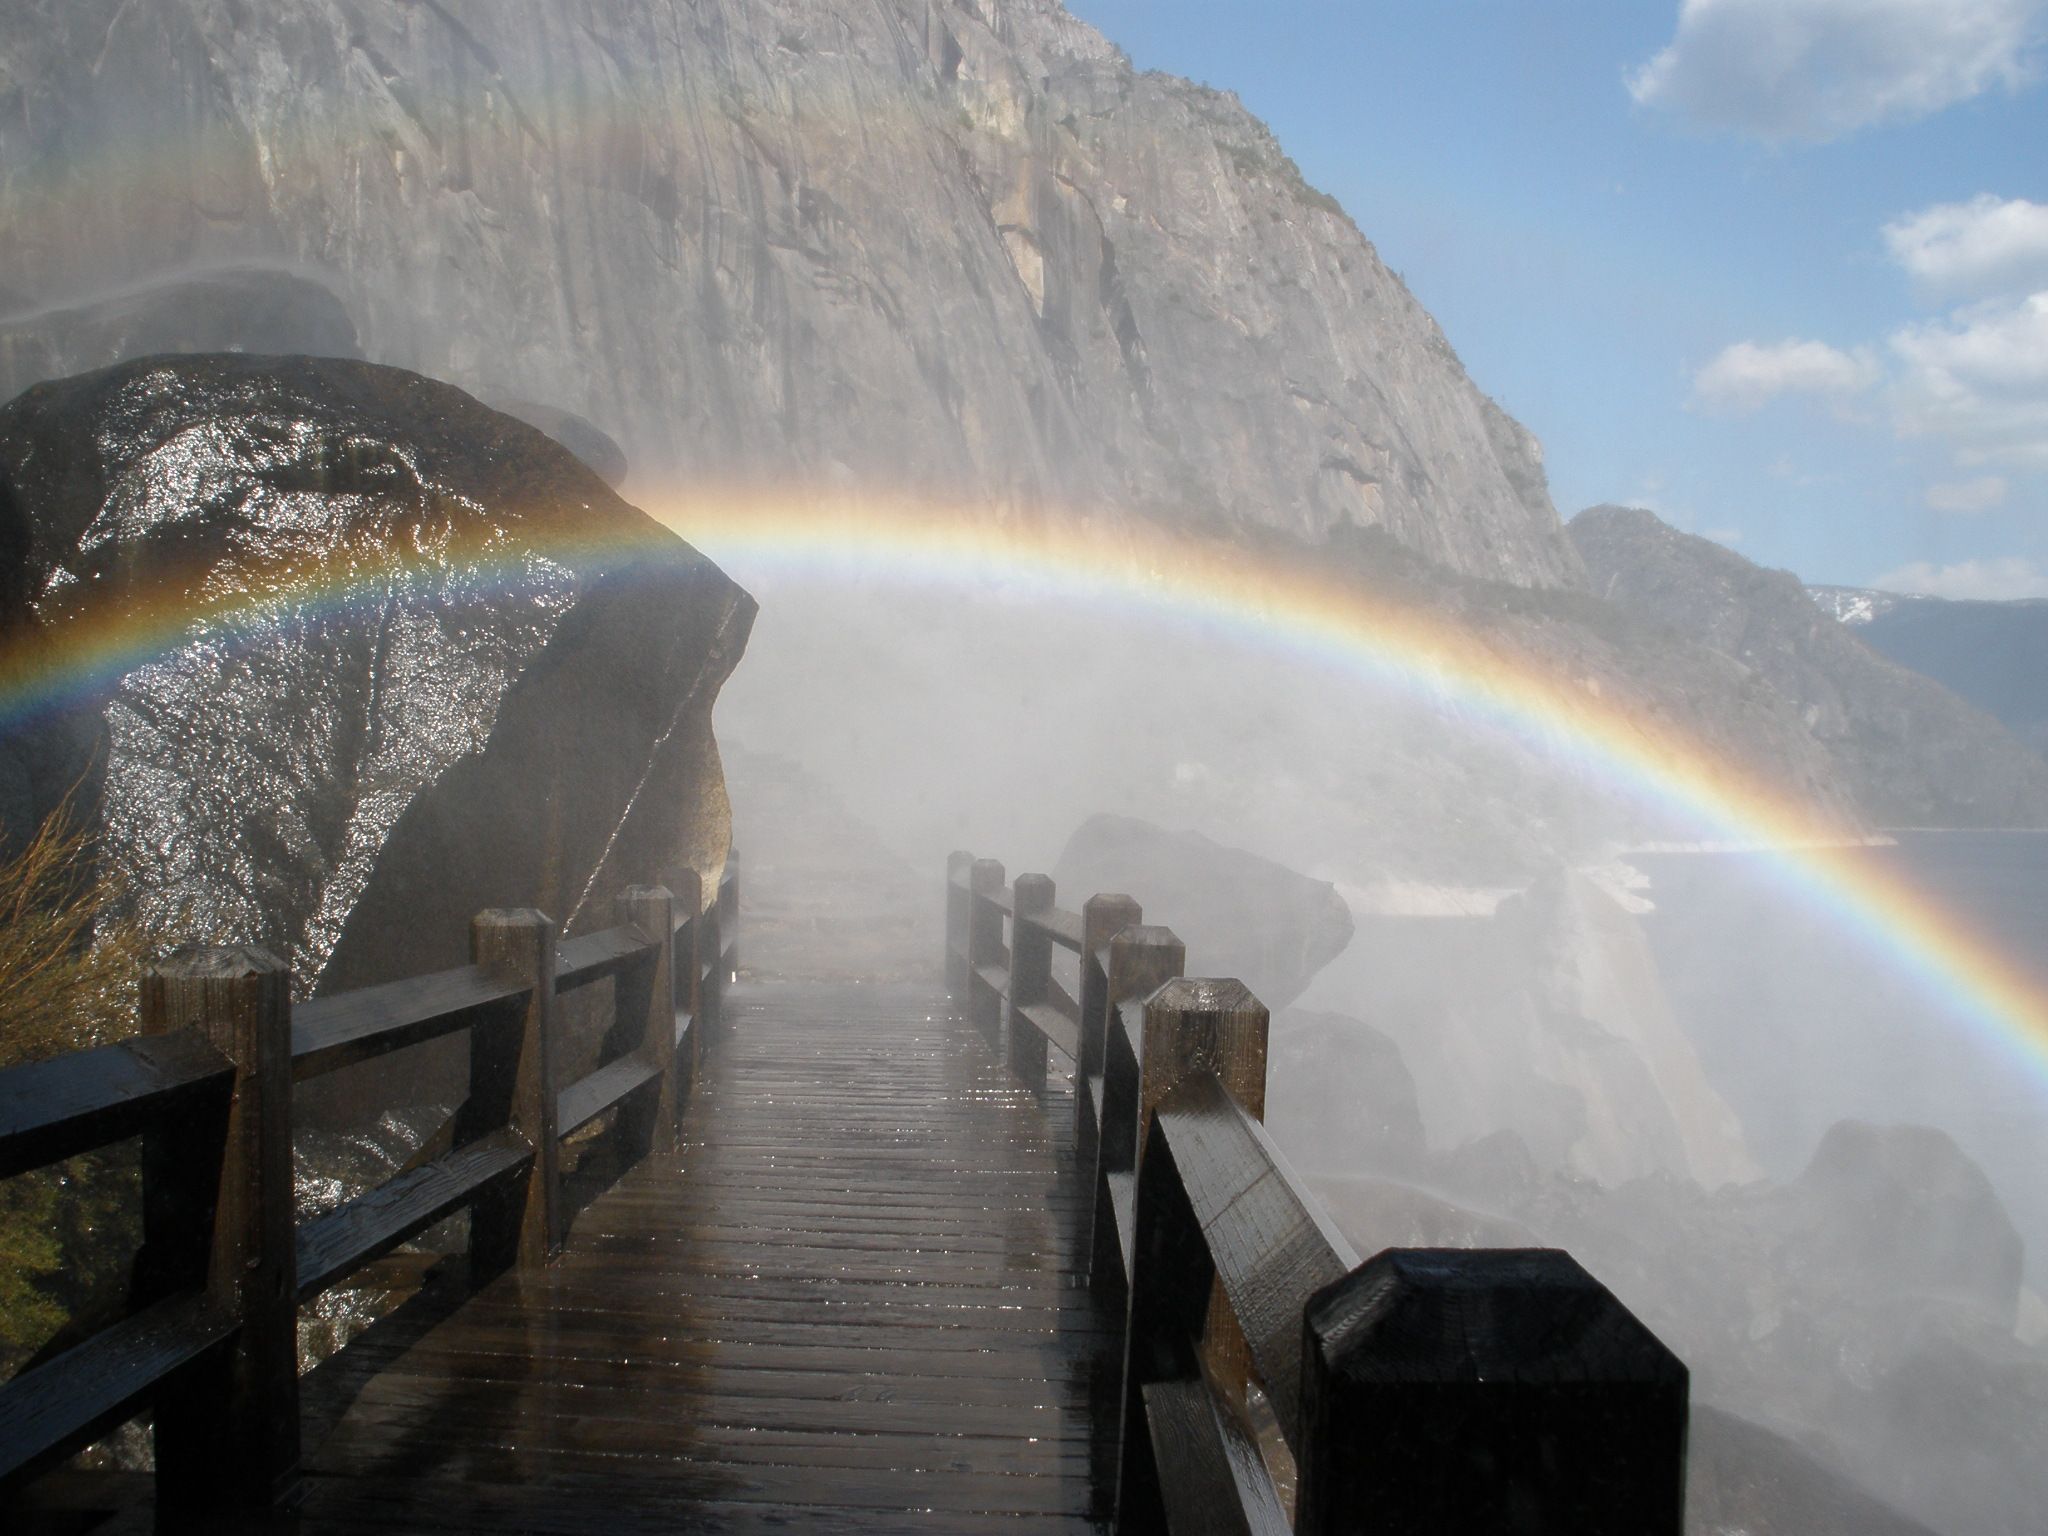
(208, 1337)
(1269, 1381)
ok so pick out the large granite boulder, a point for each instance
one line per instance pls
(1240, 915)
(265, 310)
(353, 656)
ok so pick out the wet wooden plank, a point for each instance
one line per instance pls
(51, 1110)
(588, 1097)
(336, 1244)
(594, 956)
(50, 1411)
(329, 1033)
(851, 1301)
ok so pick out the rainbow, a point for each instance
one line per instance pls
(1285, 607)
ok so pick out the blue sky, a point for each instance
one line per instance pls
(1777, 268)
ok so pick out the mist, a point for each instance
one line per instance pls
(1583, 928)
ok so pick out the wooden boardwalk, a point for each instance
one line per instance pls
(849, 1303)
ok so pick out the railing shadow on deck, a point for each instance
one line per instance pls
(208, 1338)
(1269, 1381)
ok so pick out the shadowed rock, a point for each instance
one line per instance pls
(1241, 915)
(234, 309)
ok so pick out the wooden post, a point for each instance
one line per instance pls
(729, 918)
(1103, 917)
(1142, 958)
(710, 976)
(512, 1083)
(1468, 1390)
(959, 867)
(227, 1433)
(1213, 1026)
(686, 966)
(644, 997)
(1030, 975)
(984, 948)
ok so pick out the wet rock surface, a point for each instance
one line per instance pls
(356, 657)
(1911, 753)
(964, 250)
(267, 311)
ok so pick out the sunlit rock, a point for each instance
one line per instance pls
(962, 252)
(364, 657)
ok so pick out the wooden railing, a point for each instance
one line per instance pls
(209, 1335)
(1270, 1381)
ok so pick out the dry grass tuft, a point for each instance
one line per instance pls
(70, 958)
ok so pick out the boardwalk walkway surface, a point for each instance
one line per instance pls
(852, 1306)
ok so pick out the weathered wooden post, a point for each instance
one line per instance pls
(959, 906)
(1103, 917)
(227, 1432)
(984, 947)
(1142, 959)
(644, 1000)
(711, 971)
(1030, 974)
(687, 968)
(1465, 1390)
(1214, 1026)
(729, 916)
(512, 1084)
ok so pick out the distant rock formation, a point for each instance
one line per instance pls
(1240, 915)
(1995, 655)
(962, 250)
(1911, 753)
(1546, 1022)
(346, 769)
(261, 310)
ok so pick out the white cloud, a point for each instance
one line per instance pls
(1746, 376)
(1979, 378)
(1988, 245)
(2000, 579)
(1964, 497)
(1817, 69)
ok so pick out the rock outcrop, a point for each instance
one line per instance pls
(1544, 1022)
(1240, 915)
(262, 310)
(1910, 753)
(961, 250)
(349, 656)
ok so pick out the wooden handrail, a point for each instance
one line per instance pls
(209, 1338)
(1441, 1391)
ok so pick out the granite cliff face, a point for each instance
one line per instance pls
(1909, 752)
(958, 250)
(347, 656)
